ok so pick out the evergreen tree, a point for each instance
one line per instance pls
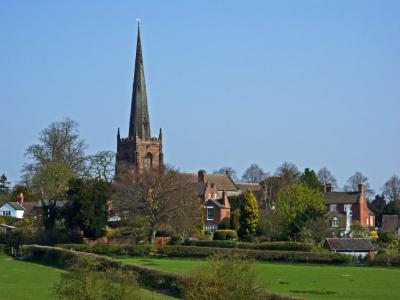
(4, 184)
(310, 179)
(249, 215)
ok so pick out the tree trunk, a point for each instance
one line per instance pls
(152, 236)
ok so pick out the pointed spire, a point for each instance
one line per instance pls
(139, 124)
(160, 135)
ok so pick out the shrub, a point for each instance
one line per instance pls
(262, 255)
(386, 260)
(112, 249)
(281, 246)
(226, 234)
(210, 243)
(225, 223)
(222, 279)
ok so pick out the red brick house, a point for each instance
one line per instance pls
(213, 191)
(347, 207)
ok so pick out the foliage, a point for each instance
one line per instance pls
(249, 215)
(87, 280)
(389, 260)
(358, 231)
(4, 184)
(391, 188)
(373, 234)
(24, 189)
(326, 177)
(377, 206)
(288, 172)
(225, 223)
(228, 171)
(296, 206)
(112, 249)
(100, 166)
(280, 246)
(88, 207)
(222, 279)
(235, 220)
(355, 180)
(254, 174)
(310, 179)
(227, 234)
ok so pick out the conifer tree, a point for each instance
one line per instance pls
(4, 184)
(249, 215)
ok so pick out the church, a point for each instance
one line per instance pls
(139, 151)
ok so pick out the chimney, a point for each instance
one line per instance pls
(361, 189)
(202, 176)
(20, 198)
(328, 188)
(225, 199)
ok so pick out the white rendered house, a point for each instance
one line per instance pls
(12, 209)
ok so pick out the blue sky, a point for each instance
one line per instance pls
(232, 83)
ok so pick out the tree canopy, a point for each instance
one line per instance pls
(249, 214)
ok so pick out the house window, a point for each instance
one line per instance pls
(210, 213)
(335, 222)
(7, 213)
(211, 228)
(333, 207)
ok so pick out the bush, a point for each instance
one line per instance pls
(210, 243)
(112, 249)
(225, 223)
(226, 234)
(386, 260)
(262, 255)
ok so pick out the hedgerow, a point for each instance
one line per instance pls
(389, 260)
(112, 249)
(282, 246)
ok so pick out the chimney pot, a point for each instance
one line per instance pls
(328, 188)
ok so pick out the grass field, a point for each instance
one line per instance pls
(307, 281)
(21, 280)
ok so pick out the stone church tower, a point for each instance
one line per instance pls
(139, 150)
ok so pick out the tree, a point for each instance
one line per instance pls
(249, 215)
(297, 204)
(391, 188)
(88, 207)
(161, 197)
(310, 179)
(51, 181)
(101, 166)
(355, 180)
(58, 143)
(222, 278)
(4, 184)
(325, 177)
(253, 174)
(377, 206)
(288, 172)
(358, 231)
(228, 171)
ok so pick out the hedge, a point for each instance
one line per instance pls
(262, 255)
(389, 260)
(225, 234)
(112, 249)
(282, 246)
(150, 278)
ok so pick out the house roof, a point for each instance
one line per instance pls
(15, 205)
(390, 223)
(349, 244)
(341, 197)
(254, 187)
(221, 181)
(218, 203)
(29, 206)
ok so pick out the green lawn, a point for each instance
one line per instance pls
(307, 281)
(20, 280)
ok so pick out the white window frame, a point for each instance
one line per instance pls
(335, 223)
(210, 228)
(333, 207)
(212, 209)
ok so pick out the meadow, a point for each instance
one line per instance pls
(21, 280)
(307, 281)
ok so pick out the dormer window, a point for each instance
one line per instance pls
(335, 222)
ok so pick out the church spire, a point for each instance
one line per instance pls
(139, 124)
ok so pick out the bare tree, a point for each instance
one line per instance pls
(288, 172)
(326, 177)
(355, 180)
(228, 171)
(101, 165)
(58, 143)
(254, 174)
(391, 188)
(163, 198)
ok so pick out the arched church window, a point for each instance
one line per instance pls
(148, 161)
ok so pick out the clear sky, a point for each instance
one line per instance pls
(232, 83)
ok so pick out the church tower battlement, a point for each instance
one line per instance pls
(139, 150)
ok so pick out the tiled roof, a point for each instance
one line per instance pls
(390, 223)
(249, 186)
(29, 206)
(15, 205)
(221, 181)
(341, 197)
(349, 244)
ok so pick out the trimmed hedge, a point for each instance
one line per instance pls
(282, 246)
(226, 234)
(388, 260)
(112, 249)
(262, 255)
(150, 278)
(62, 258)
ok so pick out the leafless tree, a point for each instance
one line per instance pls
(391, 188)
(254, 174)
(227, 170)
(58, 143)
(163, 198)
(288, 172)
(355, 180)
(101, 165)
(326, 177)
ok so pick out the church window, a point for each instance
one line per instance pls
(148, 161)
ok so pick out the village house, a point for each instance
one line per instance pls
(12, 209)
(358, 248)
(347, 207)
